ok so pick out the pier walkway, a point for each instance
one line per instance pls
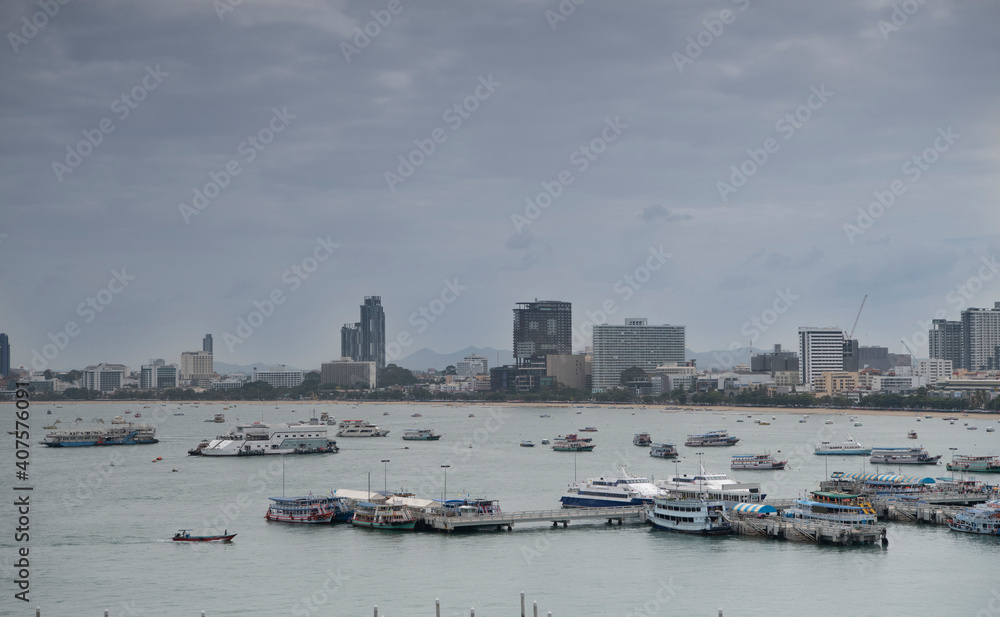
(564, 516)
(805, 531)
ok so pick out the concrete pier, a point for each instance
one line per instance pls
(800, 530)
(619, 515)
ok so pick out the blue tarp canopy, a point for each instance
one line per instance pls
(886, 478)
(754, 508)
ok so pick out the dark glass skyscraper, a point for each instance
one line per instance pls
(206, 343)
(364, 341)
(4, 355)
(542, 328)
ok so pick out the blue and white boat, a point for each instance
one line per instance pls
(309, 509)
(609, 492)
(833, 507)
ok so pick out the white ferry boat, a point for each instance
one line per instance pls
(973, 463)
(420, 434)
(260, 438)
(663, 450)
(833, 507)
(982, 519)
(711, 438)
(902, 456)
(392, 516)
(624, 490)
(309, 510)
(695, 516)
(711, 486)
(849, 447)
(756, 461)
(359, 428)
(642, 439)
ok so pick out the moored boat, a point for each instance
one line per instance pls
(126, 434)
(834, 507)
(607, 492)
(911, 434)
(981, 464)
(589, 429)
(711, 486)
(309, 509)
(663, 450)
(982, 519)
(693, 516)
(527, 444)
(359, 428)
(260, 438)
(571, 443)
(849, 447)
(756, 461)
(711, 438)
(642, 439)
(902, 456)
(420, 434)
(392, 516)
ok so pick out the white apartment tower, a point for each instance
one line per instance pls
(820, 350)
(634, 344)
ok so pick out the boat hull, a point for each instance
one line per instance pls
(434, 438)
(393, 526)
(87, 444)
(574, 501)
(205, 538)
(859, 452)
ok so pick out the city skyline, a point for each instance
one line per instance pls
(742, 169)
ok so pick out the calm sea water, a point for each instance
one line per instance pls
(100, 533)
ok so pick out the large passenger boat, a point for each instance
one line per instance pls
(834, 507)
(711, 438)
(663, 450)
(982, 519)
(260, 438)
(756, 461)
(696, 516)
(420, 434)
(981, 464)
(902, 456)
(118, 435)
(310, 510)
(642, 439)
(393, 516)
(623, 490)
(359, 428)
(849, 447)
(572, 443)
(712, 486)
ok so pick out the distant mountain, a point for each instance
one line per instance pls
(225, 369)
(423, 359)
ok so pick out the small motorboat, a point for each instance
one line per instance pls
(545, 442)
(911, 435)
(544, 415)
(989, 429)
(184, 535)
(416, 415)
(527, 444)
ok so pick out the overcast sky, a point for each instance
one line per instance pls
(633, 115)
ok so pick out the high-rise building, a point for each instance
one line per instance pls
(933, 370)
(820, 350)
(373, 332)
(350, 341)
(981, 338)
(279, 377)
(472, 365)
(776, 361)
(104, 377)
(634, 344)
(349, 373)
(157, 375)
(197, 366)
(4, 355)
(364, 341)
(206, 343)
(541, 328)
(944, 341)
(871, 356)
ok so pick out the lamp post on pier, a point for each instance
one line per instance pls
(445, 498)
(385, 476)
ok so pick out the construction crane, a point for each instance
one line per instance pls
(851, 335)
